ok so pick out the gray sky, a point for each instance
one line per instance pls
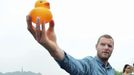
(78, 24)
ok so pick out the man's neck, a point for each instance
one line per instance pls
(105, 61)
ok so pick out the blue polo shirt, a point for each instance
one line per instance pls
(87, 66)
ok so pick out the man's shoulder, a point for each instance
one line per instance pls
(89, 59)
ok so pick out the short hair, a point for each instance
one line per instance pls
(105, 36)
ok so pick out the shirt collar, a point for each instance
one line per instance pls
(108, 66)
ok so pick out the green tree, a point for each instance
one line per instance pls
(118, 73)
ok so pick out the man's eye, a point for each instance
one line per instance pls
(102, 44)
(110, 46)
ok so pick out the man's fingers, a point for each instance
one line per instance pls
(29, 22)
(29, 25)
(51, 25)
(38, 31)
(43, 28)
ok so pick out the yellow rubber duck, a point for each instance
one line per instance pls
(42, 10)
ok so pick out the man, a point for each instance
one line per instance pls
(97, 65)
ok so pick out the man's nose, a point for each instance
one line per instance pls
(106, 47)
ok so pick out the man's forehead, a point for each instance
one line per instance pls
(103, 39)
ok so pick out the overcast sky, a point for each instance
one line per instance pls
(78, 24)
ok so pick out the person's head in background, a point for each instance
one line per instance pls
(127, 69)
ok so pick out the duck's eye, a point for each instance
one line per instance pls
(41, 1)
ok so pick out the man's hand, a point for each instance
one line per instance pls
(46, 38)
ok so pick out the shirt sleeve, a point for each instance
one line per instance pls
(73, 66)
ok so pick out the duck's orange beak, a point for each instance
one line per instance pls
(47, 5)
